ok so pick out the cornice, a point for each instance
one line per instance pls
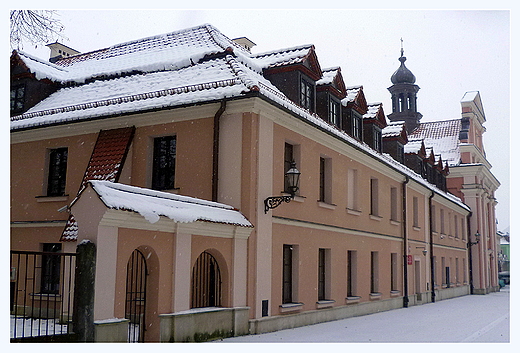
(132, 220)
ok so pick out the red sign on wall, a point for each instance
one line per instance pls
(409, 259)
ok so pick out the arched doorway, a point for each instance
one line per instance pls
(206, 282)
(135, 300)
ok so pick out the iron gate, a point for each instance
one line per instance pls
(42, 295)
(135, 303)
(206, 282)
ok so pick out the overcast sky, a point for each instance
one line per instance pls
(450, 52)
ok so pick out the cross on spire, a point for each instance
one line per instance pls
(402, 50)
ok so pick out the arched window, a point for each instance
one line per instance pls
(206, 282)
(135, 303)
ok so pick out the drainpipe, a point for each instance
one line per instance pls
(470, 259)
(432, 264)
(405, 247)
(216, 142)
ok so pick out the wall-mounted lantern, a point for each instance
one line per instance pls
(292, 179)
(477, 237)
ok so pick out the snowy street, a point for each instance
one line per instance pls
(472, 318)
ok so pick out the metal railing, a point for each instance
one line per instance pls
(42, 293)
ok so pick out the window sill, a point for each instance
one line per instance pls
(290, 307)
(52, 198)
(394, 223)
(434, 232)
(376, 218)
(416, 228)
(395, 293)
(352, 300)
(375, 296)
(329, 206)
(322, 304)
(353, 212)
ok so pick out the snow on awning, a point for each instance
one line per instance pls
(153, 204)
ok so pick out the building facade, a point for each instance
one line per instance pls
(173, 151)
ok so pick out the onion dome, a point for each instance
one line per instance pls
(402, 74)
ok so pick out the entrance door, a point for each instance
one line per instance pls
(135, 303)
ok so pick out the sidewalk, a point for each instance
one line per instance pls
(472, 318)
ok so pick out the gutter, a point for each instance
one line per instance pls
(216, 143)
(470, 257)
(405, 246)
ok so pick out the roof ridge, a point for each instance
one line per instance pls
(276, 51)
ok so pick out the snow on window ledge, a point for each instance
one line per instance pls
(290, 307)
(352, 300)
(322, 304)
(375, 296)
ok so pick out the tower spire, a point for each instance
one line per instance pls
(402, 50)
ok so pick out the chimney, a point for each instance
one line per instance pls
(60, 51)
(244, 43)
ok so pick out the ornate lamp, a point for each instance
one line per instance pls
(477, 237)
(292, 178)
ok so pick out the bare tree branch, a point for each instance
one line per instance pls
(35, 27)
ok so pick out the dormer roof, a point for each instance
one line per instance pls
(375, 114)
(302, 57)
(332, 80)
(395, 130)
(356, 99)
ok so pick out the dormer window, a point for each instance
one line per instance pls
(334, 112)
(357, 125)
(306, 94)
(378, 139)
(17, 98)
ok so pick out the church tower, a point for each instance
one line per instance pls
(404, 96)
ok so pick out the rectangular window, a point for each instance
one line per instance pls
(323, 274)
(456, 225)
(434, 271)
(456, 279)
(306, 94)
(462, 227)
(378, 139)
(287, 289)
(394, 270)
(374, 272)
(443, 267)
(357, 125)
(50, 269)
(17, 98)
(352, 189)
(57, 172)
(288, 159)
(464, 274)
(415, 212)
(325, 180)
(352, 273)
(443, 228)
(374, 197)
(334, 111)
(393, 204)
(164, 155)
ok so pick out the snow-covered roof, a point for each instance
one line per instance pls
(393, 129)
(328, 76)
(443, 137)
(174, 76)
(153, 204)
(373, 110)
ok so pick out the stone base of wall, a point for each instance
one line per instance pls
(282, 322)
(205, 324)
(112, 330)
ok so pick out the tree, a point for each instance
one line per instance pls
(35, 27)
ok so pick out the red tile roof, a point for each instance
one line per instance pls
(106, 163)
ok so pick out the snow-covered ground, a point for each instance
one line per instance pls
(472, 318)
(22, 327)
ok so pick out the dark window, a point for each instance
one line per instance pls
(377, 139)
(287, 289)
(400, 153)
(288, 158)
(164, 152)
(306, 94)
(321, 275)
(50, 280)
(17, 98)
(374, 272)
(57, 172)
(334, 111)
(351, 273)
(357, 125)
(322, 179)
